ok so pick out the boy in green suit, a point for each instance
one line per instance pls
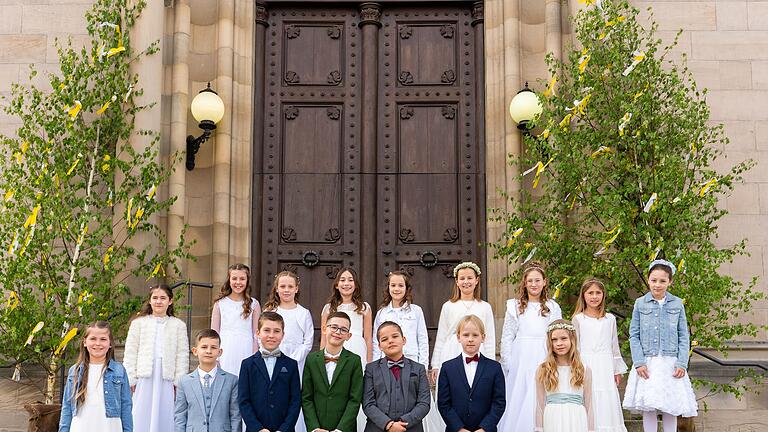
(333, 381)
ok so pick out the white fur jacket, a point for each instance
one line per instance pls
(140, 346)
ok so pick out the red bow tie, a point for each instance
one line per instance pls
(471, 359)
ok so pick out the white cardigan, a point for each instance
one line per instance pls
(140, 345)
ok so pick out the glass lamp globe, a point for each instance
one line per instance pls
(207, 106)
(525, 106)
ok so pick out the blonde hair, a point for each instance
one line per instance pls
(471, 319)
(581, 304)
(547, 371)
(456, 294)
(523, 292)
(273, 300)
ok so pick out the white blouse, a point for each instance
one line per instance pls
(446, 345)
(411, 319)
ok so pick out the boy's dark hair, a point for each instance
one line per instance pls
(271, 316)
(339, 314)
(207, 333)
(388, 324)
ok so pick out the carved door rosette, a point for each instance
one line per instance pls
(288, 234)
(291, 112)
(406, 112)
(291, 77)
(334, 77)
(333, 113)
(449, 112)
(451, 235)
(292, 31)
(405, 32)
(334, 32)
(447, 31)
(405, 78)
(332, 235)
(406, 235)
(448, 77)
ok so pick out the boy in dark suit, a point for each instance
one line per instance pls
(206, 399)
(470, 394)
(395, 389)
(269, 388)
(333, 381)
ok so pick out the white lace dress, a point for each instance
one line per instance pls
(599, 349)
(523, 348)
(237, 338)
(567, 409)
(447, 345)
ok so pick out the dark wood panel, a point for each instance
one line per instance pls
(427, 138)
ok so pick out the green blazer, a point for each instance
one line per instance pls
(335, 405)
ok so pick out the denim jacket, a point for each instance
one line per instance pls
(117, 396)
(659, 330)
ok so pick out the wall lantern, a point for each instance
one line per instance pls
(207, 109)
(525, 106)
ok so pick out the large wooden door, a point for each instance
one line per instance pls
(369, 146)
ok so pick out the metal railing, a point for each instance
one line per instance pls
(710, 357)
(190, 285)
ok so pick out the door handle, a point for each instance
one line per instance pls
(386, 252)
(349, 252)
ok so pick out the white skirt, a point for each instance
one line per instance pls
(153, 402)
(661, 391)
(606, 404)
(566, 417)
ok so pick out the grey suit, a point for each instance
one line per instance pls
(386, 399)
(190, 406)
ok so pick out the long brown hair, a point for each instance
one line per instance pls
(357, 295)
(80, 385)
(146, 308)
(456, 293)
(273, 300)
(226, 289)
(547, 372)
(523, 292)
(581, 304)
(408, 299)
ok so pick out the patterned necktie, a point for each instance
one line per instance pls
(474, 358)
(207, 380)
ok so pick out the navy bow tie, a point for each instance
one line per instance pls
(267, 354)
(391, 363)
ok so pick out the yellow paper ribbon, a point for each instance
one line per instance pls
(551, 87)
(12, 301)
(70, 334)
(584, 60)
(151, 192)
(107, 256)
(600, 150)
(566, 120)
(637, 57)
(560, 285)
(9, 195)
(539, 169)
(706, 186)
(37, 328)
(128, 212)
(74, 165)
(74, 110)
(32, 218)
(106, 105)
(624, 122)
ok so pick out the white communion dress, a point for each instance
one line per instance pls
(567, 408)
(599, 349)
(237, 338)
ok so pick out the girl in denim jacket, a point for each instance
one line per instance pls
(97, 396)
(658, 337)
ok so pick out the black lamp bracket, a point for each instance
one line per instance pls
(193, 144)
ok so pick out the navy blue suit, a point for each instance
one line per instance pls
(269, 404)
(471, 408)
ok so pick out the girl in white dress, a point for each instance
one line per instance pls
(347, 296)
(563, 385)
(659, 340)
(156, 357)
(398, 307)
(524, 347)
(599, 348)
(95, 378)
(298, 330)
(464, 301)
(236, 318)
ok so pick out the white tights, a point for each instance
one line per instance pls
(650, 419)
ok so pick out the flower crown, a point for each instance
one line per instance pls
(466, 264)
(561, 326)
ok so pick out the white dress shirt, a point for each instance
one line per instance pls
(330, 367)
(469, 368)
(203, 373)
